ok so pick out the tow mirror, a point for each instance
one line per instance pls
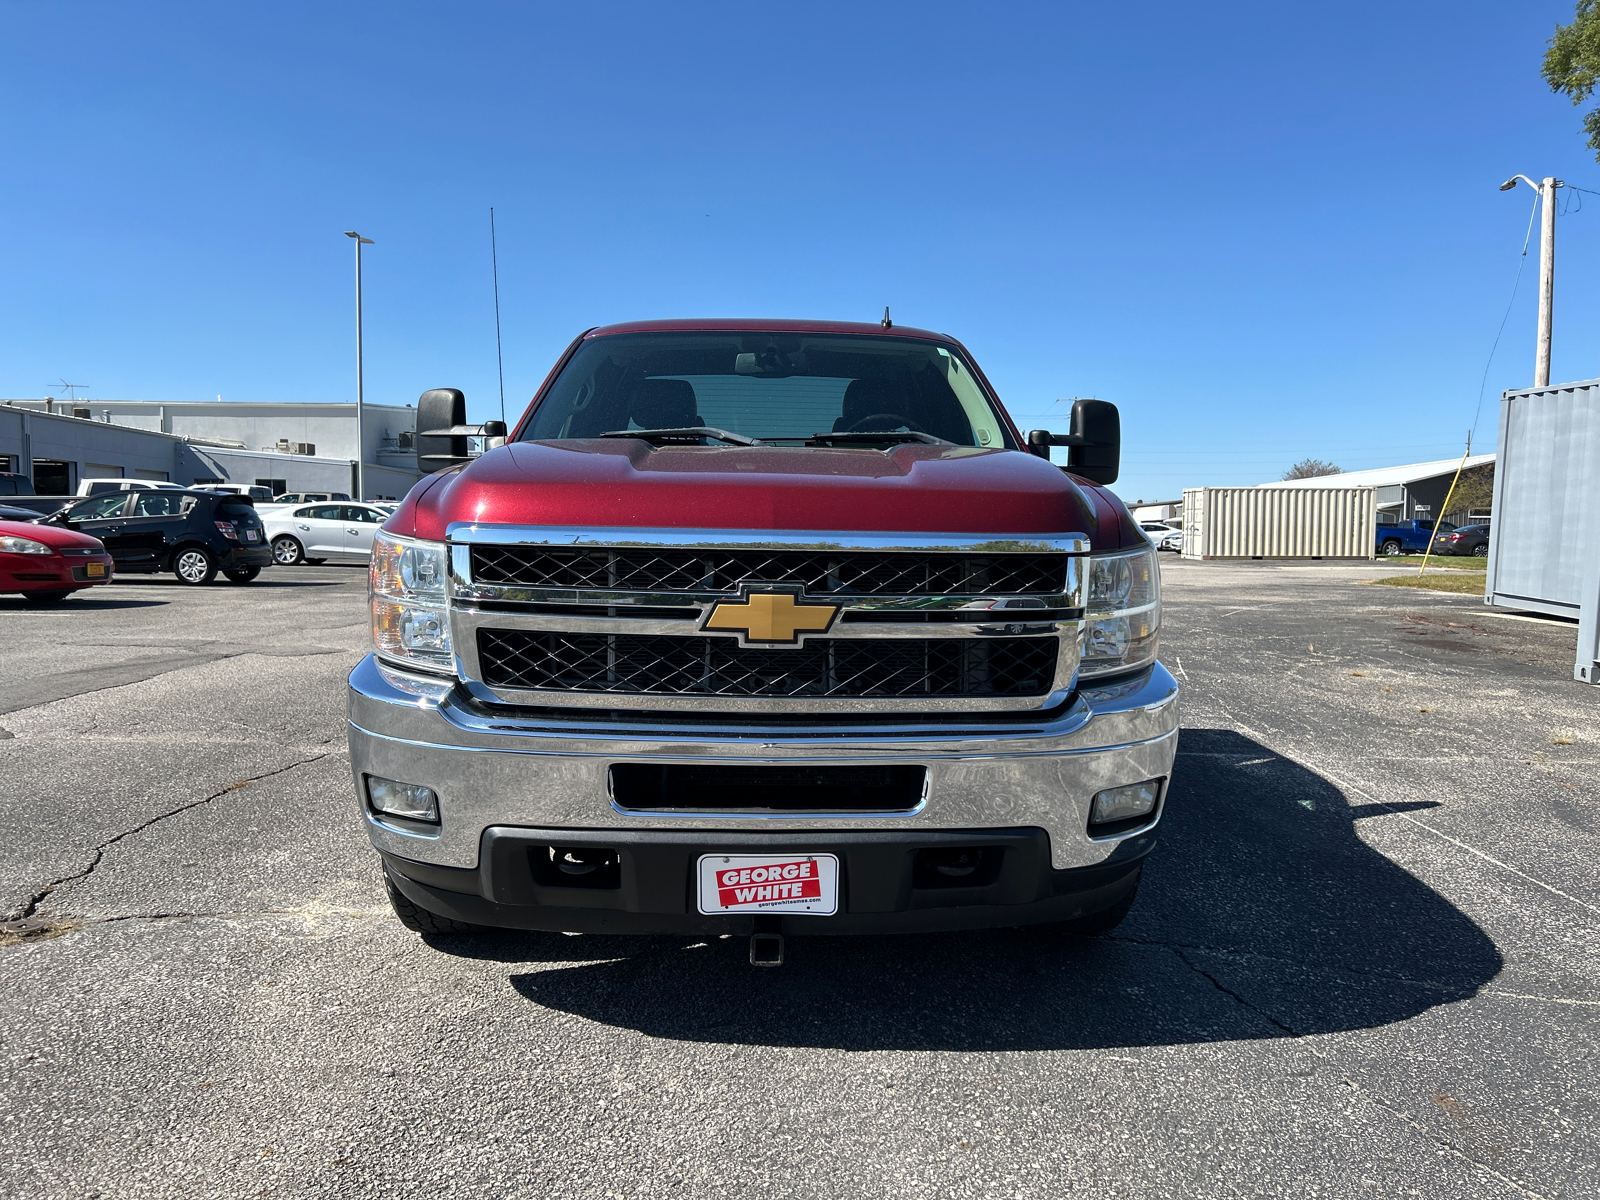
(442, 431)
(1094, 445)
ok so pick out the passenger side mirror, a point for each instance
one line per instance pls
(1094, 445)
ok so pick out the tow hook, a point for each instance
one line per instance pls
(766, 943)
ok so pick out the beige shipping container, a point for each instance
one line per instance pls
(1272, 522)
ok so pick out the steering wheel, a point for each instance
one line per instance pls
(865, 424)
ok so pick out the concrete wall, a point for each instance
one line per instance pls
(87, 447)
(329, 427)
(93, 448)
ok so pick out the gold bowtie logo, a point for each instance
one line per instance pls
(771, 618)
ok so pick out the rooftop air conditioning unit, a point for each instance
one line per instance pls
(307, 448)
(283, 445)
(83, 414)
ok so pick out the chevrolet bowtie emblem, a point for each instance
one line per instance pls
(767, 617)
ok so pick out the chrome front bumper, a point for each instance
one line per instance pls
(552, 772)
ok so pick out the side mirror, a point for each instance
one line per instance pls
(442, 431)
(439, 411)
(1094, 445)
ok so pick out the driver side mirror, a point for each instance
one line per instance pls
(1094, 445)
(442, 431)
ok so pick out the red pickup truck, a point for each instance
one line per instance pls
(762, 628)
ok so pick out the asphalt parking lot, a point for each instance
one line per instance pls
(1363, 962)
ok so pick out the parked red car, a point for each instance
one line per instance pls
(47, 563)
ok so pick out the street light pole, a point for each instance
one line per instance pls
(361, 450)
(1547, 269)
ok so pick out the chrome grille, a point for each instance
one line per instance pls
(843, 668)
(822, 573)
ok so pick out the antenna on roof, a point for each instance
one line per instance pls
(494, 262)
(886, 323)
(71, 389)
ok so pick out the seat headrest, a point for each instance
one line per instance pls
(864, 397)
(664, 404)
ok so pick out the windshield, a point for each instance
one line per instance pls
(786, 387)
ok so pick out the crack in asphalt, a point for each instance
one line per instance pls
(1248, 955)
(1424, 1131)
(29, 906)
(1355, 1087)
(1233, 995)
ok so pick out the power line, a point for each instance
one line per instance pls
(1522, 262)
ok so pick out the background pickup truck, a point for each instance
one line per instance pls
(1408, 537)
(16, 490)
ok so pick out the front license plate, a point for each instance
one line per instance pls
(769, 883)
(95, 570)
(250, 535)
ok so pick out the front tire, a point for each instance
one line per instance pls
(1390, 548)
(243, 574)
(287, 551)
(193, 565)
(46, 597)
(420, 920)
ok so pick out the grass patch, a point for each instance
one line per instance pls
(1456, 581)
(1449, 562)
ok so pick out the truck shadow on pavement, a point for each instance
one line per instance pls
(1261, 915)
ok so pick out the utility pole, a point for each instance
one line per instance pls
(361, 451)
(1547, 279)
(1547, 269)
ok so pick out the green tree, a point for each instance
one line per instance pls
(1311, 468)
(1474, 490)
(1572, 63)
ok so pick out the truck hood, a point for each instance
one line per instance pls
(606, 483)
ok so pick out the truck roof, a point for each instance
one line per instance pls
(775, 325)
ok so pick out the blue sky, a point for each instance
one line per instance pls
(1265, 231)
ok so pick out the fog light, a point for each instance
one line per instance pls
(409, 800)
(1125, 803)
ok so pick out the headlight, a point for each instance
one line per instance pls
(410, 616)
(1124, 612)
(21, 545)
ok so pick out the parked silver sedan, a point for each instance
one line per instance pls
(314, 533)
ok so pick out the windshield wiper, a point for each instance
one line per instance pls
(880, 435)
(686, 433)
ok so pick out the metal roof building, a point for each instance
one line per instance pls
(1404, 493)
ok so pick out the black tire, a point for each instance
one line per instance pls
(46, 597)
(420, 920)
(243, 574)
(314, 562)
(1391, 548)
(287, 551)
(1104, 921)
(1481, 551)
(194, 566)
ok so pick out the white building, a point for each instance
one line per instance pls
(287, 447)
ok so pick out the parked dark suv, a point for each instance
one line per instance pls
(192, 534)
